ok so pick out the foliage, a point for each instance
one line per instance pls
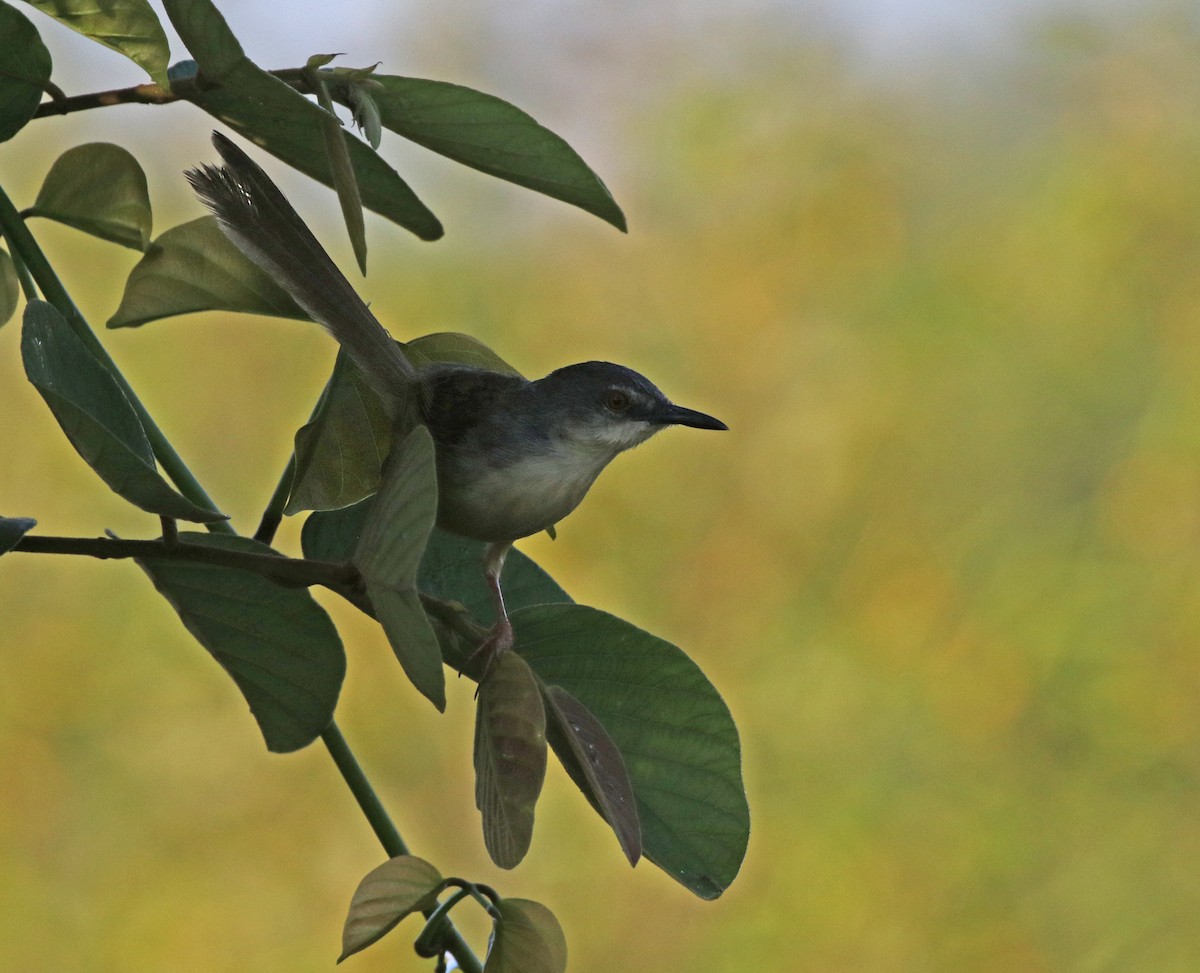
(574, 672)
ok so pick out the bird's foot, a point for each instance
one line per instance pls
(499, 639)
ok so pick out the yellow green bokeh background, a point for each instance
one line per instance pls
(943, 568)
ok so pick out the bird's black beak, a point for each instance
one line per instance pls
(677, 415)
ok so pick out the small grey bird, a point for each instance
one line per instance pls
(514, 457)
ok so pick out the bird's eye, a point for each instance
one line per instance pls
(616, 400)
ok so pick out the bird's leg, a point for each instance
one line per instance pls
(501, 635)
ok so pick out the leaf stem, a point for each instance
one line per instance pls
(385, 830)
(487, 897)
(273, 516)
(28, 287)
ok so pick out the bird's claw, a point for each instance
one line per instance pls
(499, 639)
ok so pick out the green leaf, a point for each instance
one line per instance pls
(389, 553)
(510, 756)
(194, 267)
(96, 416)
(450, 347)
(366, 114)
(129, 27)
(24, 70)
(489, 134)
(276, 117)
(528, 939)
(12, 529)
(337, 152)
(276, 643)
(340, 451)
(10, 288)
(397, 888)
(100, 189)
(599, 768)
(678, 741)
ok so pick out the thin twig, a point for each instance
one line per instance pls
(142, 94)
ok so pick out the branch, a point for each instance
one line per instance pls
(142, 94)
(341, 577)
(386, 832)
(292, 572)
(153, 94)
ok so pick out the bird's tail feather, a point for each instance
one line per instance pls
(256, 216)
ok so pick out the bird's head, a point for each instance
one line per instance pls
(608, 408)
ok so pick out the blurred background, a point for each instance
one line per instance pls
(936, 266)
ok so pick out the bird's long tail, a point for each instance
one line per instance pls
(256, 216)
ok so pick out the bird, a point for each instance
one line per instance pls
(513, 456)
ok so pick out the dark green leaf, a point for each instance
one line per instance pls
(276, 643)
(97, 418)
(397, 888)
(194, 267)
(12, 529)
(206, 35)
(599, 767)
(510, 756)
(129, 27)
(389, 553)
(276, 117)
(491, 135)
(674, 732)
(98, 188)
(412, 639)
(340, 451)
(10, 288)
(528, 939)
(283, 122)
(24, 70)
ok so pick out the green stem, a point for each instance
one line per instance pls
(360, 787)
(487, 897)
(273, 516)
(28, 287)
(386, 831)
(22, 242)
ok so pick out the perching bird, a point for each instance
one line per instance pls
(513, 456)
